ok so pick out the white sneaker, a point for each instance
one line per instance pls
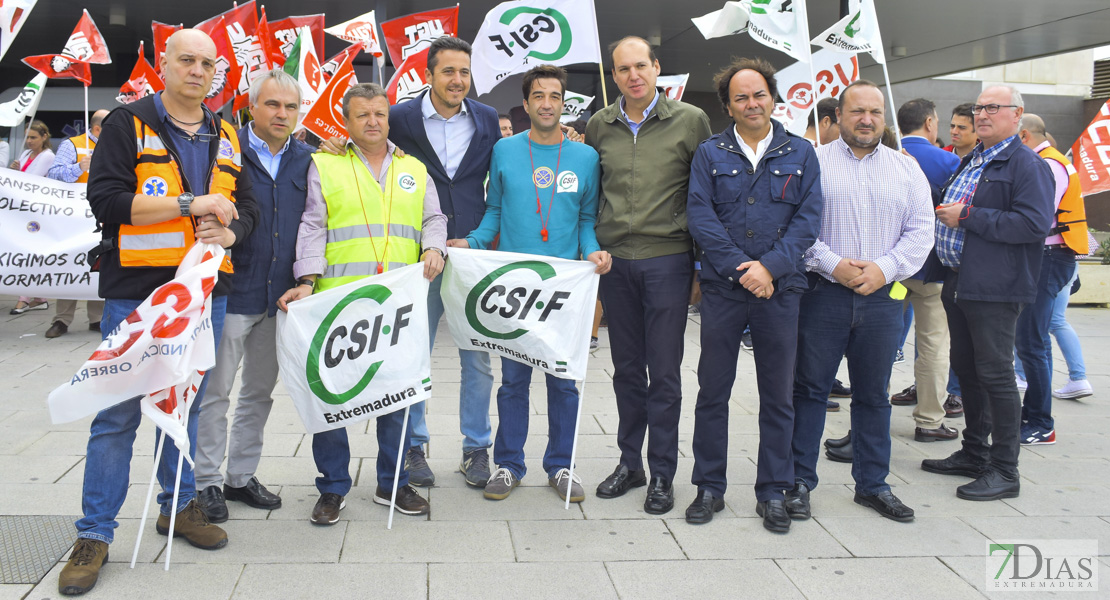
(1022, 385)
(1074, 390)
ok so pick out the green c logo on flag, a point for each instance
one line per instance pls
(519, 301)
(545, 22)
(325, 335)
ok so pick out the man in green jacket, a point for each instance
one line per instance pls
(646, 142)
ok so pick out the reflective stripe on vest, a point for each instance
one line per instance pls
(158, 174)
(350, 232)
(358, 269)
(1071, 216)
(81, 142)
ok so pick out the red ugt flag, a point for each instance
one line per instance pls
(325, 117)
(407, 35)
(227, 69)
(143, 81)
(59, 66)
(282, 34)
(162, 32)
(408, 81)
(86, 44)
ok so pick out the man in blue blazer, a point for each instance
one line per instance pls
(453, 136)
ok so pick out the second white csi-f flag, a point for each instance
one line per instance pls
(857, 32)
(357, 351)
(782, 25)
(517, 36)
(536, 310)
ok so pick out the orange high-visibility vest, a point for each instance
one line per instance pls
(158, 174)
(1071, 217)
(79, 142)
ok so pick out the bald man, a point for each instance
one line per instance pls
(185, 183)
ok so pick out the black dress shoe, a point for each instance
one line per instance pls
(942, 433)
(774, 515)
(660, 496)
(993, 485)
(212, 504)
(797, 502)
(839, 390)
(620, 482)
(954, 406)
(842, 454)
(887, 505)
(253, 494)
(839, 442)
(959, 463)
(702, 508)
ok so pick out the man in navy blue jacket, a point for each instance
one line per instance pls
(997, 210)
(453, 136)
(754, 208)
(277, 165)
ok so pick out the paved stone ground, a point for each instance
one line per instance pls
(528, 546)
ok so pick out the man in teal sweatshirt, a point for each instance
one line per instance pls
(546, 206)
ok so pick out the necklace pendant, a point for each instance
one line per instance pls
(543, 234)
(379, 268)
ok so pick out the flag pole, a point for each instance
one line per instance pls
(893, 111)
(803, 17)
(149, 494)
(600, 60)
(173, 507)
(574, 445)
(86, 118)
(397, 470)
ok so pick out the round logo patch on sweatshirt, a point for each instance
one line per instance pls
(543, 177)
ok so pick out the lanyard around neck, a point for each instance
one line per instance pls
(539, 211)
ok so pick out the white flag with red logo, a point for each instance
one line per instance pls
(169, 409)
(331, 67)
(283, 33)
(304, 64)
(408, 81)
(160, 345)
(673, 85)
(1091, 154)
(60, 66)
(86, 44)
(143, 81)
(407, 35)
(162, 32)
(325, 117)
(13, 14)
(833, 71)
(359, 29)
(227, 68)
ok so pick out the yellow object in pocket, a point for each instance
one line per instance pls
(898, 291)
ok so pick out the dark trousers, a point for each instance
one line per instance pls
(645, 302)
(982, 354)
(1033, 345)
(332, 452)
(774, 327)
(834, 321)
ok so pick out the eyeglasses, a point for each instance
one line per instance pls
(990, 108)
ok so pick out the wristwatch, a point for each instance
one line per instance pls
(306, 281)
(441, 254)
(184, 201)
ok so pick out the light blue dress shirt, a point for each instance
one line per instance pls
(262, 149)
(449, 137)
(634, 126)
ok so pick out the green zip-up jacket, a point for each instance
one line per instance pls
(645, 177)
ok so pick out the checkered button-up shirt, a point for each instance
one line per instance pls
(950, 240)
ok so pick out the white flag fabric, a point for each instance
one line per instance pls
(160, 345)
(780, 24)
(536, 310)
(833, 70)
(360, 29)
(574, 105)
(13, 112)
(517, 36)
(310, 75)
(169, 408)
(358, 351)
(673, 85)
(857, 32)
(730, 20)
(13, 14)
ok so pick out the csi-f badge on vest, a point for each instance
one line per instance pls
(406, 181)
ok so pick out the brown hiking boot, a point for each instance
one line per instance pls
(192, 525)
(83, 568)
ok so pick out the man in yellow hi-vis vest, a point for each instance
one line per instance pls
(367, 212)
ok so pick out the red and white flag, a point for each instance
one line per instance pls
(143, 81)
(162, 32)
(60, 66)
(86, 44)
(227, 68)
(282, 34)
(408, 81)
(325, 117)
(13, 14)
(160, 345)
(407, 35)
(1091, 154)
(359, 29)
(274, 58)
(673, 85)
(332, 66)
(241, 24)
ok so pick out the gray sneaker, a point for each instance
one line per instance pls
(420, 474)
(501, 484)
(475, 467)
(560, 481)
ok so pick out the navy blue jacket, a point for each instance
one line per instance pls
(771, 213)
(463, 198)
(264, 263)
(1006, 224)
(938, 165)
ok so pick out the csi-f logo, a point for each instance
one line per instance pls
(546, 32)
(406, 181)
(520, 303)
(348, 341)
(1063, 565)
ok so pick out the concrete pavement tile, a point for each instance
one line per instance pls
(266, 582)
(535, 581)
(972, 570)
(252, 541)
(1055, 471)
(35, 499)
(745, 538)
(838, 578)
(35, 469)
(1062, 500)
(150, 549)
(37, 418)
(75, 443)
(941, 501)
(1001, 529)
(1069, 424)
(144, 582)
(558, 541)
(283, 444)
(525, 504)
(13, 591)
(698, 579)
(421, 541)
(873, 535)
(15, 439)
(1074, 445)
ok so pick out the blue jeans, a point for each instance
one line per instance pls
(111, 441)
(1034, 347)
(1064, 334)
(953, 383)
(331, 451)
(474, 390)
(513, 409)
(907, 322)
(834, 321)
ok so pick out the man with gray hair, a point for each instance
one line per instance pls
(991, 228)
(366, 185)
(277, 166)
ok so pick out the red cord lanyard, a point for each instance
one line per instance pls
(389, 211)
(558, 158)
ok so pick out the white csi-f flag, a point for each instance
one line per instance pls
(536, 310)
(782, 25)
(574, 105)
(159, 347)
(857, 32)
(730, 20)
(357, 351)
(13, 112)
(517, 36)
